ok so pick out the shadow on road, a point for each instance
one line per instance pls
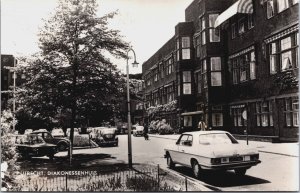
(222, 179)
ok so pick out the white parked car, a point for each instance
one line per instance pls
(211, 150)
(138, 131)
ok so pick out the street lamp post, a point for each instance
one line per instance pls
(134, 64)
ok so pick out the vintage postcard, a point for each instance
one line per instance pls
(148, 96)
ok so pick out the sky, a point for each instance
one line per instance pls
(146, 24)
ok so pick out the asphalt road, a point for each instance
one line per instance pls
(275, 173)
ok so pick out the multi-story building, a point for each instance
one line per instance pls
(234, 63)
(7, 61)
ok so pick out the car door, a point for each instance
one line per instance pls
(184, 148)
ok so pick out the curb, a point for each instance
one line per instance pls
(283, 154)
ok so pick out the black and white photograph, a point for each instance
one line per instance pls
(149, 95)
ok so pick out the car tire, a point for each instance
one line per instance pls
(51, 156)
(170, 162)
(240, 171)
(62, 147)
(196, 168)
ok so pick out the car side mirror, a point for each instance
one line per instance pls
(177, 142)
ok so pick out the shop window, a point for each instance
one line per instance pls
(282, 5)
(216, 74)
(236, 114)
(217, 119)
(270, 9)
(292, 112)
(264, 114)
(187, 85)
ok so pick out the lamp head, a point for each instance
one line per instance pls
(135, 64)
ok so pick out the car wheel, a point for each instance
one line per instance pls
(62, 147)
(170, 162)
(240, 171)
(51, 156)
(196, 169)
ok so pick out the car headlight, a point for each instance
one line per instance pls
(215, 161)
(254, 157)
(225, 160)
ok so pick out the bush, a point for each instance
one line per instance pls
(9, 154)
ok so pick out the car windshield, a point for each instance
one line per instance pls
(216, 138)
(29, 139)
(108, 131)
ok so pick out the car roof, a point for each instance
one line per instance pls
(204, 132)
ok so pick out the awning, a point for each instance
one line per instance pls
(192, 113)
(241, 6)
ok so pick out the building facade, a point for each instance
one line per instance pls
(232, 63)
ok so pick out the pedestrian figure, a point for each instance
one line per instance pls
(201, 125)
(145, 132)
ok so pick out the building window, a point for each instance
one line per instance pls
(241, 26)
(187, 121)
(252, 66)
(270, 9)
(236, 114)
(155, 74)
(264, 114)
(203, 38)
(197, 45)
(169, 66)
(199, 81)
(204, 73)
(295, 1)
(283, 54)
(170, 93)
(250, 21)
(178, 49)
(186, 50)
(178, 85)
(187, 85)
(282, 5)
(233, 31)
(273, 58)
(243, 67)
(217, 119)
(214, 34)
(162, 70)
(292, 112)
(216, 74)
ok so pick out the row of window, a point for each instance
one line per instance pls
(163, 95)
(283, 53)
(277, 6)
(242, 24)
(264, 114)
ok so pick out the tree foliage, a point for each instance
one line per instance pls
(73, 76)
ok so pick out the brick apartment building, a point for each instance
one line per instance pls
(233, 63)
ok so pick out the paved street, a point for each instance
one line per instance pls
(275, 173)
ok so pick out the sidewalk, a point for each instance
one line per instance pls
(286, 149)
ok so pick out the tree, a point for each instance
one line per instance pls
(73, 73)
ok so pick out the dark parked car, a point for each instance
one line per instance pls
(61, 143)
(107, 137)
(32, 145)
